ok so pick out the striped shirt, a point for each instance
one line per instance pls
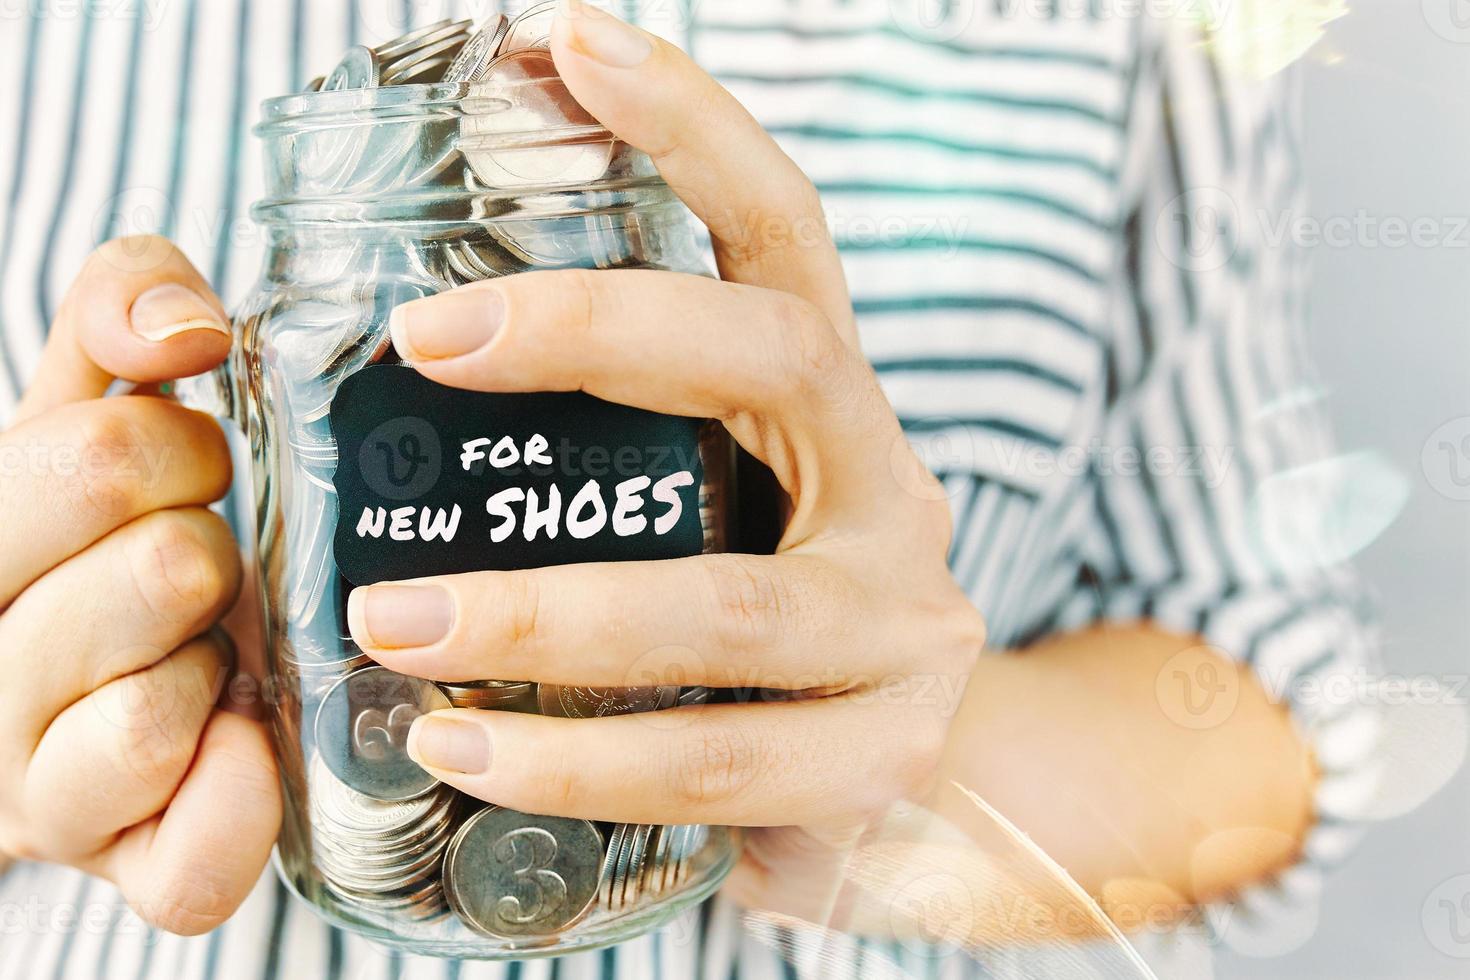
(1050, 217)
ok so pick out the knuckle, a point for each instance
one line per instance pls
(714, 767)
(149, 749)
(559, 784)
(748, 602)
(181, 574)
(159, 715)
(818, 358)
(108, 475)
(588, 297)
(248, 776)
(521, 619)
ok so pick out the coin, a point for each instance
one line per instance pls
(496, 143)
(362, 732)
(690, 842)
(488, 694)
(511, 875)
(531, 29)
(602, 702)
(421, 63)
(469, 65)
(659, 876)
(616, 840)
(357, 69)
(425, 36)
(632, 874)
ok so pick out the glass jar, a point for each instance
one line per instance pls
(376, 197)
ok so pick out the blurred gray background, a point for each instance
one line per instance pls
(1387, 132)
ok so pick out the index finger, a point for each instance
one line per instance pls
(764, 215)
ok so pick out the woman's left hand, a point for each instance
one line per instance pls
(856, 613)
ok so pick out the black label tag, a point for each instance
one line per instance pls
(433, 480)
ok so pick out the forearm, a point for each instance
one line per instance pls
(1145, 800)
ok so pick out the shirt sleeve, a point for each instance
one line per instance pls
(1215, 481)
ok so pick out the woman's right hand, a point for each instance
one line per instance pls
(115, 754)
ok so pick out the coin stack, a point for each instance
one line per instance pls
(646, 860)
(380, 856)
(388, 838)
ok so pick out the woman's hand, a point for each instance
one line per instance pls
(114, 756)
(856, 615)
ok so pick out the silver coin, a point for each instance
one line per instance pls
(421, 63)
(691, 842)
(530, 29)
(511, 875)
(345, 812)
(357, 69)
(421, 38)
(362, 732)
(494, 143)
(470, 64)
(390, 836)
(473, 261)
(619, 884)
(632, 875)
(560, 701)
(424, 904)
(310, 656)
(653, 861)
(610, 862)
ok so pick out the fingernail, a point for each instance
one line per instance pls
(404, 615)
(447, 743)
(602, 37)
(448, 325)
(170, 309)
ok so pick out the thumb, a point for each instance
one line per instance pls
(138, 311)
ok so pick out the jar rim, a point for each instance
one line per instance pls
(307, 111)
